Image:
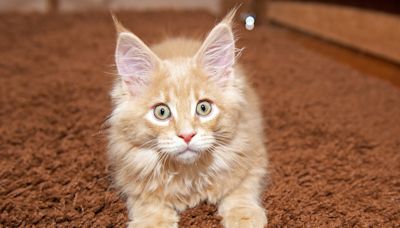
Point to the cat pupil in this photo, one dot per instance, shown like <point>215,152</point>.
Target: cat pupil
<point>162,111</point>
<point>203,108</point>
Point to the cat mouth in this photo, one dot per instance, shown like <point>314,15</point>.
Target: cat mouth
<point>187,150</point>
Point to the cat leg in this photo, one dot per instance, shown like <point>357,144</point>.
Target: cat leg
<point>151,213</point>
<point>241,208</point>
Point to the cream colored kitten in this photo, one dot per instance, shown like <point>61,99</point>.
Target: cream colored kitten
<point>186,128</point>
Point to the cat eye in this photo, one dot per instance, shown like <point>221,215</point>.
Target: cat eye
<point>203,108</point>
<point>162,112</point>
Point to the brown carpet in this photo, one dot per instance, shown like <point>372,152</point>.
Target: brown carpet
<point>334,134</point>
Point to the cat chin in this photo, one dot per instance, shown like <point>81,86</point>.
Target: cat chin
<point>187,156</point>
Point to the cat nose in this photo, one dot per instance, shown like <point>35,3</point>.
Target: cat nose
<point>187,136</point>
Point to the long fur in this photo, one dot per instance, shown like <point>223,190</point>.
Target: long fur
<point>230,165</point>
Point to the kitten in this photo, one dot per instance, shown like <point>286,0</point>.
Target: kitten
<point>186,128</point>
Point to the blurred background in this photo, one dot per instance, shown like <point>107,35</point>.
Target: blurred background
<point>362,33</point>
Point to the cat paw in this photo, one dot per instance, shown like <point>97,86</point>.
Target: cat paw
<point>245,217</point>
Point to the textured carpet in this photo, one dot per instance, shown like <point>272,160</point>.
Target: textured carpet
<point>333,133</point>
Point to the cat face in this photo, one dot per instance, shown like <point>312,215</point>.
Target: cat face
<point>180,107</point>
<point>183,112</point>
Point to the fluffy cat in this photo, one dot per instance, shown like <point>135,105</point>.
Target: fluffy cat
<point>186,127</point>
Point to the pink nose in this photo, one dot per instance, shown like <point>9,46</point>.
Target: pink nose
<point>187,137</point>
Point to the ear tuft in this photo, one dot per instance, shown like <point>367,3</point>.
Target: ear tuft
<point>229,18</point>
<point>118,26</point>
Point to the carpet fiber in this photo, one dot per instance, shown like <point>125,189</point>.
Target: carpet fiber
<point>333,133</point>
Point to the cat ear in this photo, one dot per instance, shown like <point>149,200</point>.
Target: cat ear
<point>217,54</point>
<point>135,62</point>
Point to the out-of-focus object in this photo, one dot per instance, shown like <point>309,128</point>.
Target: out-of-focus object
<point>252,12</point>
<point>24,6</point>
<point>52,5</point>
<point>212,6</point>
<point>79,5</point>
<point>259,7</point>
<point>374,32</point>
<point>249,22</point>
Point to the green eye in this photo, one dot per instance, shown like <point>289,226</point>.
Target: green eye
<point>162,112</point>
<point>203,108</point>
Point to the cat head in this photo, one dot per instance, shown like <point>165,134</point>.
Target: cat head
<point>183,106</point>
